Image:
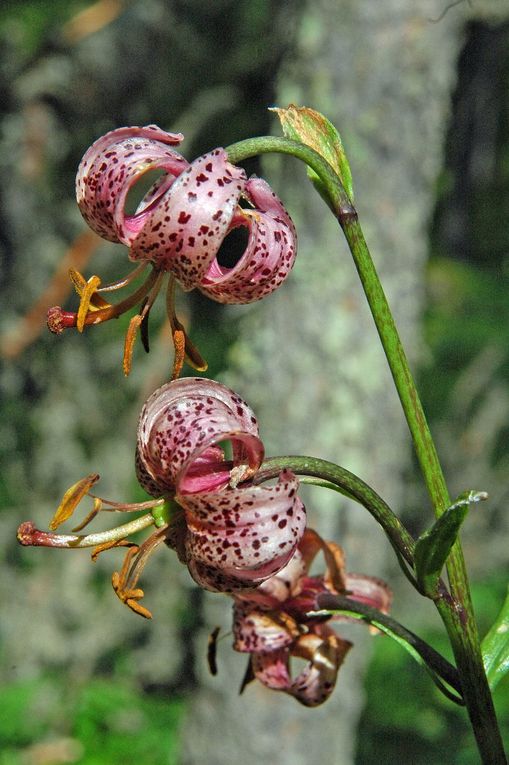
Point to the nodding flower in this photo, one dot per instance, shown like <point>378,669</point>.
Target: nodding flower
<point>231,534</point>
<point>278,621</point>
<point>178,228</point>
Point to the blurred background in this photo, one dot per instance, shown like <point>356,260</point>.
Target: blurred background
<point>422,102</point>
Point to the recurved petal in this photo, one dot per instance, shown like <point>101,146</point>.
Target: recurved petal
<point>248,534</point>
<point>287,581</point>
<point>325,653</point>
<point>112,165</point>
<point>179,429</point>
<point>214,579</point>
<point>269,255</point>
<point>152,486</point>
<point>255,630</point>
<point>272,669</point>
<point>275,592</point>
<point>369,590</point>
<point>186,229</point>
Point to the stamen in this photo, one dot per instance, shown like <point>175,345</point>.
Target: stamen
<point>249,676</point>
<point>127,507</point>
<point>124,582</point>
<point>145,551</point>
<point>136,321</point>
<point>125,281</point>
<point>71,499</point>
<point>240,473</point>
<point>192,355</point>
<point>144,333</point>
<point>137,607</point>
<point>86,297</point>
<point>110,546</point>
<point>90,517</point>
<point>129,596</point>
<point>79,490</point>
<point>179,343</point>
<point>80,285</point>
<point>58,320</point>
<point>130,337</point>
<point>212,650</point>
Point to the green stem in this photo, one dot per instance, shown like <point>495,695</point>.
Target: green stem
<point>458,618</point>
<point>339,201</point>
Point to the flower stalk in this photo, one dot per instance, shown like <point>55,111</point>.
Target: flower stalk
<point>350,485</point>
<point>458,616</point>
<point>439,668</point>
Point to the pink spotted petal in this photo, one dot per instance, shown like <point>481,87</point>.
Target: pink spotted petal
<point>276,590</point>
<point>286,582</point>
<point>272,669</point>
<point>112,165</point>
<point>154,487</point>
<point>255,630</point>
<point>212,578</point>
<point>209,471</point>
<point>248,533</point>
<point>186,229</point>
<point>269,255</point>
<point>179,425</point>
<point>304,600</point>
<point>325,652</point>
<point>370,591</point>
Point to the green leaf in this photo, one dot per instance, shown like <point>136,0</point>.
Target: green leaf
<point>434,545</point>
<point>308,126</point>
<point>495,647</point>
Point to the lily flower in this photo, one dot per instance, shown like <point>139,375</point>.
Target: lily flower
<point>278,621</point>
<point>232,535</point>
<point>178,228</point>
